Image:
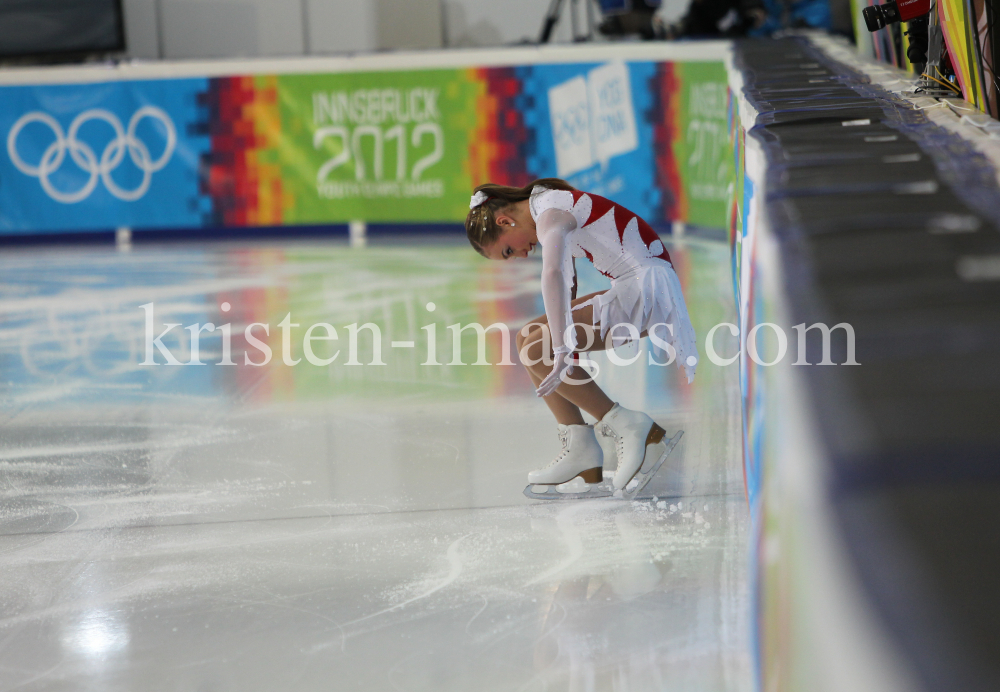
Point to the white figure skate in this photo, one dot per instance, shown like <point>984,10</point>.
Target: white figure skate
<point>612,432</point>
<point>581,456</point>
<point>576,472</point>
<point>640,448</point>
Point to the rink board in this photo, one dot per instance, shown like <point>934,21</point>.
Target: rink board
<point>872,486</point>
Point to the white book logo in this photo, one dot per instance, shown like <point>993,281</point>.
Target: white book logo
<point>593,118</point>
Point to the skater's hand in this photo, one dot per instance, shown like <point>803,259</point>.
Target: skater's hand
<point>562,367</point>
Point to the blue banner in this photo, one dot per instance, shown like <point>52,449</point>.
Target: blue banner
<point>87,156</point>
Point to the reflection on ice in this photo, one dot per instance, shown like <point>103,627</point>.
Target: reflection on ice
<point>282,527</point>
<point>96,634</point>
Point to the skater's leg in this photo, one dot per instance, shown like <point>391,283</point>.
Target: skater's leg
<point>581,453</point>
<point>583,393</point>
<point>635,435</point>
<point>565,412</point>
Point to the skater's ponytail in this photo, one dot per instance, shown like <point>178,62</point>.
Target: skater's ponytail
<point>481,223</point>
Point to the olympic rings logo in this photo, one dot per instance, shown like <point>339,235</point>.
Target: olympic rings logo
<point>85,158</point>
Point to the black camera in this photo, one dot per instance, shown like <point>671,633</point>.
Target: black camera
<point>877,16</point>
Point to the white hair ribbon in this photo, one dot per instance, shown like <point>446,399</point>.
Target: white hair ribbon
<point>478,199</point>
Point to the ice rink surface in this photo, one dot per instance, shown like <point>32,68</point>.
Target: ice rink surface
<point>233,527</point>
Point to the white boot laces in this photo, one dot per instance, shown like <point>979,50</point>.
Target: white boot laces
<point>564,441</point>
<point>608,431</point>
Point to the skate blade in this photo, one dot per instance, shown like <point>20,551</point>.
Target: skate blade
<point>575,489</point>
<point>639,481</point>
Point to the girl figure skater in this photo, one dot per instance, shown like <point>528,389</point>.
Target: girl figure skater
<point>645,298</point>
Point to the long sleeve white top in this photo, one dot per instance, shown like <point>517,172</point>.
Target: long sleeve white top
<point>554,227</point>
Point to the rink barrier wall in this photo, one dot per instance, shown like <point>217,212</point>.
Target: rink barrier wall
<point>396,139</point>
<point>873,488</point>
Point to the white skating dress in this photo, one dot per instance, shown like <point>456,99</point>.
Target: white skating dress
<point>645,290</point>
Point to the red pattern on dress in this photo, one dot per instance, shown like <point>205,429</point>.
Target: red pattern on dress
<point>601,206</point>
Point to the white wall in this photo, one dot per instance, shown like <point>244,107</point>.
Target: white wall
<point>141,29</point>
<point>403,24</point>
<point>179,29</point>
<point>230,28</point>
<point>336,26</point>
